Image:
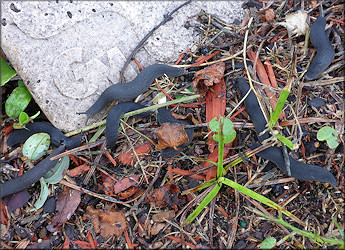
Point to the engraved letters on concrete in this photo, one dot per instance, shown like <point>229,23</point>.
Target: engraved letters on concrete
<point>68,52</point>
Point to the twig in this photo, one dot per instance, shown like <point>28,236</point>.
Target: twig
<point>167,18</point>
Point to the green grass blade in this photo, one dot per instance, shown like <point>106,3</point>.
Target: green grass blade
<point>285,140</point>
<point>203,204</point>
<point>280,104</point>
<point>259,197</point>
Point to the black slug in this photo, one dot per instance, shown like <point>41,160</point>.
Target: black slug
<point>114,116</point>
<point>253,109</point>
<point>299,170</point>
<point>325,51</point>
<point>31,176</point>
<point>130,90</point>
<point>164,116</point>
<point>56,136</point>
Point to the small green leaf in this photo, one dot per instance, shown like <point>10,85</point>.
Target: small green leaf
<point>36,146</point>
<point>23,118</point>
<point>56,173</point>
<point>268,243</point>
<point>7,73</point>
<point>329,135</point>
<point>43,196</point>
<point>17,101</point>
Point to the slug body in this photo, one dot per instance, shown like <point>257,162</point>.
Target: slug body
<point>56,136</point>
<point>253,108</point>
<point>114,116</point>
<point>130,90</point>
<point>31,176</point>
<point>325,51</point>
<point>164,116</point>
<point>299,170</point>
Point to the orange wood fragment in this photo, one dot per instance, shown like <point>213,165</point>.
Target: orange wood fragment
<point>74,159</point>
<point>186,172</point>
<point>110,158</point>
<point>91,240</point>
<point>179,241</point>
<point>128,157</point>
<point>66,243</point>
<point>128,240</point>
<point>78,170</point>
<point>264,79</point>
<point>202,59</point>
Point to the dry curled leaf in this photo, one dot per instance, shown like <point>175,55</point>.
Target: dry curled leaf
<point>268,16</point>
<point>210,75</point>
<point>107,224</point>
<point>171,135</point>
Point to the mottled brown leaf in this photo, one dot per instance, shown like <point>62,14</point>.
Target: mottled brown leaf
<point>210,75</point>
<point>171,135</point>
<point>108,224</point>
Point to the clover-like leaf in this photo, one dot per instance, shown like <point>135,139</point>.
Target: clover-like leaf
<point>329,135</point>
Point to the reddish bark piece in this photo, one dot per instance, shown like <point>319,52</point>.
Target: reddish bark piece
<point>264,79</point>
<point>79,170</point>
<point>128,193</point>
<point>180,241</point>
<point>129,158</point>
<point>171,135</point>
<point>186,172</point>
<point>68,201</point>
<point>7,130</point>
<point>158,196</point>
<point>66,243</point>
<point>108,224</point>
<point>215,107</point>
<point>125,183</point>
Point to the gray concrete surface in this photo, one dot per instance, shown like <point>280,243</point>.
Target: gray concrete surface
<point>68,52</point>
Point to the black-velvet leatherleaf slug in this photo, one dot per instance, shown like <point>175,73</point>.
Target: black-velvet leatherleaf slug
<point>299,170</point>
<point>56,136</point>
<point>325,51</point>
<point>165,116</point>
<point>31,176</point>
<point>114,116</point>
<point>130,90</point>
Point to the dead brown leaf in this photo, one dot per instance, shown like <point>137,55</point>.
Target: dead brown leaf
<point>209,76</point>
<point>171,135</point>
<point>107,224</point>
<point>66,205</point>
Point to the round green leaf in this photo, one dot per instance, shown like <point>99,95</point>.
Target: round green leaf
<point>43,196</point>
<point>56,173</point>
<point>36,146</point>
<point>17,101</point>
<point>228,127</point>
<point>329,135</point>
<point>6,72</point>
<point>268,243</point>
<point>214,125</point>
